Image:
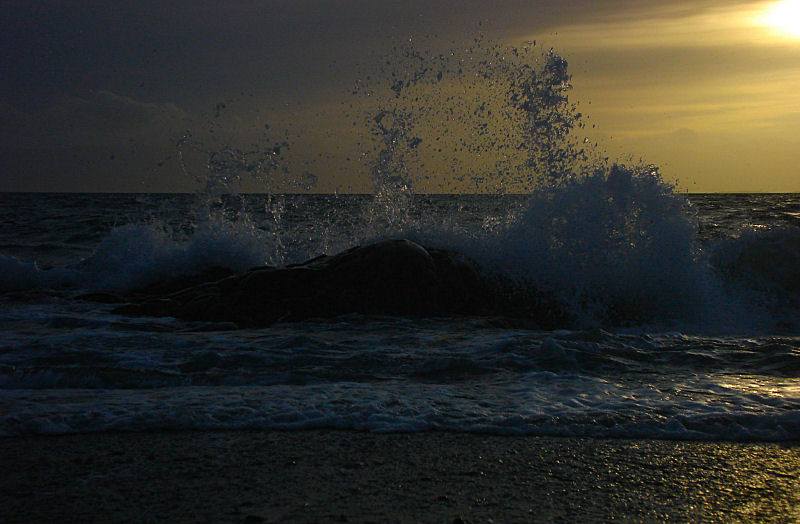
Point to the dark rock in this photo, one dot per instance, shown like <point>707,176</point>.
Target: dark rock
<point>211,274</point>
<point>102,297</point>
<point>523,302</point>
<point>392,277</point>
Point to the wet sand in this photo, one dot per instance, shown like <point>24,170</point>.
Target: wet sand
<point>342,476</point>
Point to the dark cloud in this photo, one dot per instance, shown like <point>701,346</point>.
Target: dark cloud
<point>101,118</point>
<point>111,115</point>
<point>199,49</point>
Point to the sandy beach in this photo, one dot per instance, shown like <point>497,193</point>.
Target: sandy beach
<point>342,476</point>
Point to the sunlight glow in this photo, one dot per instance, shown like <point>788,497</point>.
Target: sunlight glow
<point>783,17</point>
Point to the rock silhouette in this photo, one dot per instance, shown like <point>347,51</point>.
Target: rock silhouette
<point>391,277</point>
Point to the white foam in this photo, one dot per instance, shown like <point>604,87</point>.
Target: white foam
<point>559,405</point>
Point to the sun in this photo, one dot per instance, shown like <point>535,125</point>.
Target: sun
<point>783,17</point>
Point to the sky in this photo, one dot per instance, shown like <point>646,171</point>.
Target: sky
<point>137,96</point>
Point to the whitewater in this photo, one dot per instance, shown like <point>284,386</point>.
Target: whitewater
<point>679,313</point>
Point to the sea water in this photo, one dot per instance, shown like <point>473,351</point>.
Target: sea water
<point>725,367</point>
<point>683,310</point>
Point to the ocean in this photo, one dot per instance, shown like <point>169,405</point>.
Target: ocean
<point>682,315</point>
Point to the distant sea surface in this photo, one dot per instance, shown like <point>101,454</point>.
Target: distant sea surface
<point>703,342</point>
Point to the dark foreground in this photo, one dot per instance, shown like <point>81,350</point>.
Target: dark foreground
<point>339,476</point>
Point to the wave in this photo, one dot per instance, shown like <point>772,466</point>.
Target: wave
<point>137,255</point>
<point>765,259</point>
<point>603,410</point>
<point>617,244</point>
<point>615,248</point>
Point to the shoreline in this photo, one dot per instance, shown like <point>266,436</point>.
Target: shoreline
<point>347,476</point>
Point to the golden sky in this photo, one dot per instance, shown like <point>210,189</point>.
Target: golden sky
<point>712,94</point>
<point>95,98</point>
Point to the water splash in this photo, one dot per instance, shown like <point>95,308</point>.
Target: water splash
<point>220,172</point>
<point>488,118</point>
<point>617,244</point>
